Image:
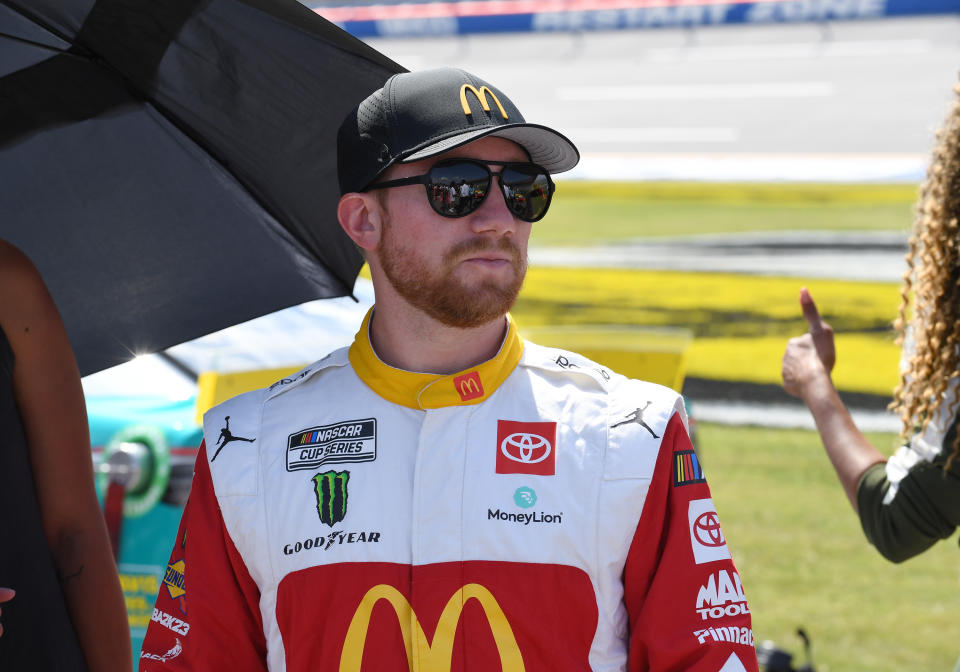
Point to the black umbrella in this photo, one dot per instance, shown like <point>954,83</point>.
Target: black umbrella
<point>169,165</point>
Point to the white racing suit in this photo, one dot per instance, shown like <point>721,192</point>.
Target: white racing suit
<point>536,513</point>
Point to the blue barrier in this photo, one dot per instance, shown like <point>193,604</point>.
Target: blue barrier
<point>426,19</point>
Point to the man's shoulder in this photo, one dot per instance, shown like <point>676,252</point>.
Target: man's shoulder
<point>251,402</point>
<point>566,363</point>
<point>232,429</point>
<point>635,411</point>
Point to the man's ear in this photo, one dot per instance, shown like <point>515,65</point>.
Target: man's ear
<point>361,218</point>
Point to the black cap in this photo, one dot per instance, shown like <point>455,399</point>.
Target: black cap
<point>417,115</point>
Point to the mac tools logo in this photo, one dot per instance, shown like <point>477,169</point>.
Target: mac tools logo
<point>706,537</point>
<point>526,448</point>
<point>722,596</point>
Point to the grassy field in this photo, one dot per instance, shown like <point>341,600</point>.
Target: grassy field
<point>805,563</point>
<point>618,211</point>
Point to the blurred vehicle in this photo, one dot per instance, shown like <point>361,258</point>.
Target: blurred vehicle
<point>150,443</point>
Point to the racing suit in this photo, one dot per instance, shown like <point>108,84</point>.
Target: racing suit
<point>536,512</point>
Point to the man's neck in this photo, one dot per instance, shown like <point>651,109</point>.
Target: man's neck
<point>406,338</point>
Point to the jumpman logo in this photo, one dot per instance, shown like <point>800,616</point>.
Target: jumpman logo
<point>226,437</point>
<point>637,417</point>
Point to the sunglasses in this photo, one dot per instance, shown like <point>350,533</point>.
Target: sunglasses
<point>457,187</point>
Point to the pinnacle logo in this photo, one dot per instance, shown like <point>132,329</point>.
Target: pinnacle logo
<point>481,95</point>
<point>331,490</point>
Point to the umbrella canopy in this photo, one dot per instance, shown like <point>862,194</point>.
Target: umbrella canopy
<point>170,167</point>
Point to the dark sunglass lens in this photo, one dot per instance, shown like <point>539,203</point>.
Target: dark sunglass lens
<point>457,188</point>
<point>527,191</point>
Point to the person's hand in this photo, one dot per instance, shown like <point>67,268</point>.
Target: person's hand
<point>6,594</point>
<point>809,356</point>
<point>820,331</point>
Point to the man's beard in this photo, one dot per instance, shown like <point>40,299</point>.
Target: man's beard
<point>439,293</point>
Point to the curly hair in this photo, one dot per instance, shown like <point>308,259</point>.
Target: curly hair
<point>933,277</point>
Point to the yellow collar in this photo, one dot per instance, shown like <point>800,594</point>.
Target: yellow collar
<point>431,390</point>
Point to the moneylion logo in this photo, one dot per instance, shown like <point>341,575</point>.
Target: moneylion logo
<point>481,95</point>
<point>422,654</point>
<point>331,490</point>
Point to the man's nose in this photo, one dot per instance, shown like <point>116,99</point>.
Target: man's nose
<point>493,215</point>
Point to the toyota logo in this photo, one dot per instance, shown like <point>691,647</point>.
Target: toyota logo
<point>707,529</point>
<point>526,448</point>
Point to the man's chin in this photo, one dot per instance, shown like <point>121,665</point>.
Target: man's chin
<point>467,307</point>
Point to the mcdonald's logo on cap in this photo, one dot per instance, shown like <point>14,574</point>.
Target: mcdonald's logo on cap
<point>469,386</point>
<point>424,655</point>
<point>482,97</point>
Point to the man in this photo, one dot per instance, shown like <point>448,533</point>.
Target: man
<point>443,495</point>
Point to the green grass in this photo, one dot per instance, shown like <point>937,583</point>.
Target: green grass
<point>590,213</point>
<point>804,560</point>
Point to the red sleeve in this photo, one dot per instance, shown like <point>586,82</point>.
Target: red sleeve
<point>683,594</point>
<point>207,614</point>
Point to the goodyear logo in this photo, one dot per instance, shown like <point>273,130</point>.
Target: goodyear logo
<point>349,441</point>
<point>331,490</point>
<point>174,579</point>
<point>481,95</point>
<point>423,654</point>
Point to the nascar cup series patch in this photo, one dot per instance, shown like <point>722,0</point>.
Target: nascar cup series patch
<point>526,448</point>
<point>349,441</point>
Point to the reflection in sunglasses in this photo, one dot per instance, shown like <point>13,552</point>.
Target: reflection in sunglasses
<point>457,187</point>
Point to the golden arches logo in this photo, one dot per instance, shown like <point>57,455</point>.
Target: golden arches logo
<point>469,386</point>
<point>422,654</point>
<point>482,97</point>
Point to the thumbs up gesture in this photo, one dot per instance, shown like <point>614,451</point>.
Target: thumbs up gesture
<point>809,356</point>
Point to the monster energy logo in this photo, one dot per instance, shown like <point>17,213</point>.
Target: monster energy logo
<point>331,489</point>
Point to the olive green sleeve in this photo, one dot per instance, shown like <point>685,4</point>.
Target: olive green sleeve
<point>924,508</point>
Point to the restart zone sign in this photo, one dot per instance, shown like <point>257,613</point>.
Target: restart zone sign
<point>452,18</point>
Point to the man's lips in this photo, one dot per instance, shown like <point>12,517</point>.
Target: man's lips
<point>485,253</point>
